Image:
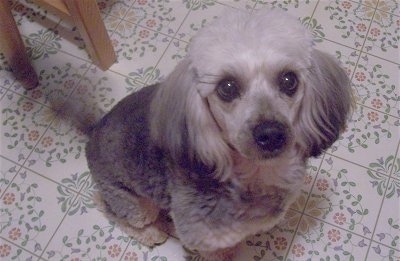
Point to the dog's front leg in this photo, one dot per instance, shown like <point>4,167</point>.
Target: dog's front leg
<point>226,254</point>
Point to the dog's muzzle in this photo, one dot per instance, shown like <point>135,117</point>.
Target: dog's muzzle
<point>270,137</point>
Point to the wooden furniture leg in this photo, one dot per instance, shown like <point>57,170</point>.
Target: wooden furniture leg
<point>85,15</point>
<point>87,18</point>
<point>13,48</point>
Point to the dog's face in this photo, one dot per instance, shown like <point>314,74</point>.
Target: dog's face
<point>252,84</point>
<point>255,103</point>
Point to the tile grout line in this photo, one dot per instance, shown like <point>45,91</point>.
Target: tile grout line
<point>357,164</point>
<point>52,181</point>
<point>14,177</point>
<point>394,160</point>
<point>23,165</point>
<point>377,220</point>
<point>358,50</point>
<point>378,111</point>
<point>169,44</point>
<point>352,77</point>
<point>58,226</point>
<point>364,42</point>
<point>64,101</point>
<point>19,246</point>
<point>77,195</point>
<point>381,207</point>
<point>348,231</point>
<point>151,30</point>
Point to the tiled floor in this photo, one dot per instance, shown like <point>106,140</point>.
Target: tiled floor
<point>350,205</point>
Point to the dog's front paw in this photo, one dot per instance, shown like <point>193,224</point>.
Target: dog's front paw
<point>219,255</point>
<point>149,235</point>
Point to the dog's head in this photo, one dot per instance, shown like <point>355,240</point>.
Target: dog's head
<point>253,85</point>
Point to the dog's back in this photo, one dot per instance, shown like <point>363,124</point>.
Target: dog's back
<point>119,143</point>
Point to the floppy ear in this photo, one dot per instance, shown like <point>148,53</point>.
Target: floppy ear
<point>326,104</point>
<point>182,124</point>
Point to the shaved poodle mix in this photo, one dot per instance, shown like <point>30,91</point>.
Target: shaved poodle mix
<point>217,151</point>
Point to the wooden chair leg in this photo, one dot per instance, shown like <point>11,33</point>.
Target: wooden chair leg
<point>87,18</point>
<point>12,46</point>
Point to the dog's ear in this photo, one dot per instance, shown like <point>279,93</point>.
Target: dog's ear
<point>326,104</point>
<point>182,124</point>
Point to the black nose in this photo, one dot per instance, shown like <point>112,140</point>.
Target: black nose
<point>270,136</point>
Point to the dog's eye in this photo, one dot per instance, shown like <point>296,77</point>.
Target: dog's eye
<point>227,90</point>
<point>288,83</point>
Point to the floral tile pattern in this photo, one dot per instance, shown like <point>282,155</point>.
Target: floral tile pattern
<point>349,208</point>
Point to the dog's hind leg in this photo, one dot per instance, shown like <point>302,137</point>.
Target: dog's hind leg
<point>136,216</point>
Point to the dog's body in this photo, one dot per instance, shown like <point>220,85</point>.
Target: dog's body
<point>221,144</point>
<point>208,214</point>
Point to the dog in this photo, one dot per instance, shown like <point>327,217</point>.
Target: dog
<point>218,150</point>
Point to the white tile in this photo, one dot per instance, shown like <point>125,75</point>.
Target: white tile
<point>343,195</point>
<point>344,22</point>
<point>161,16</point>
<point>87,235</point>
<point>22,126</point>
<point>137,47</point>
<point>369,135</point>
<point>30,211</point>
<point>322,241</point>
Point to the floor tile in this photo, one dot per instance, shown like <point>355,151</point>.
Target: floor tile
<point>300,9</point>
<point>383,36</point>
<point>347,57</point>
<point>376,84</point>
<point>323,241</point>
<point>8,171</point>
<point>273,245</point>
<point>202,13</point>
<point>242,5</point>
<point>13,252</point>
<point>344,195</point>
<point>175,53</point>
<point>6,78</point>
<point>2,92</point>
<point>370,135</point>
<point>161,16</point>
<point>32,19</point>
<point>58,73</point>
<point>115,8</point>
<point>106,88</point>
<point>170,250</point>
<point>379,252</point>
<point>30,212</point>
<point>65,36</point>
<point>23,125</point>
<point>87,236</point>
<point>345,22</point>
<point>387,231</point>
<point>141,52</point>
